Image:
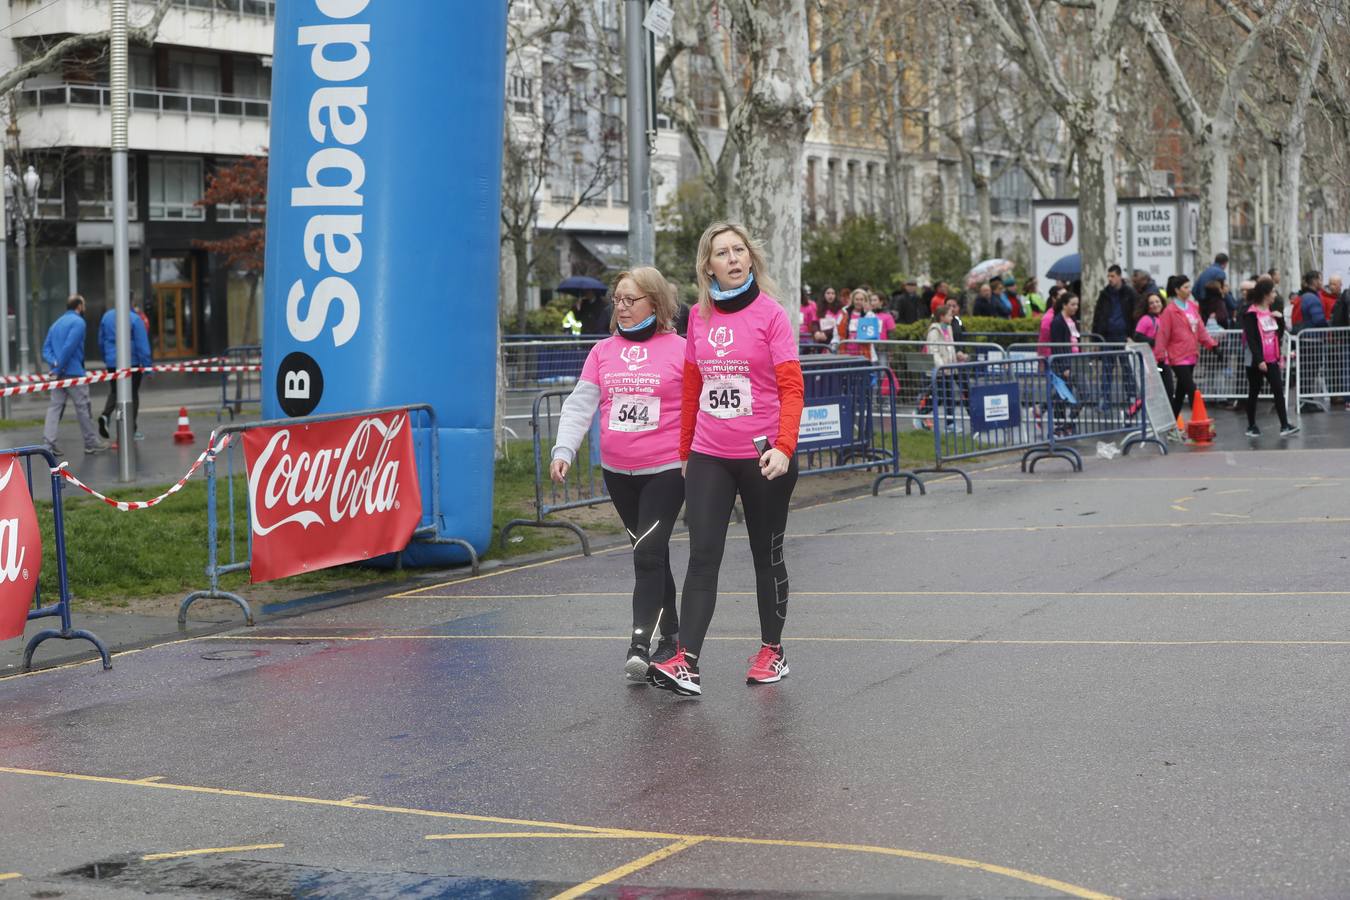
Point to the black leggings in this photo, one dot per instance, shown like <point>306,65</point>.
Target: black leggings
<point>649,505</point>
<point>711,486</point>
<point>1185,378</point>
<point>135,399</point>
<point>1272,376</point>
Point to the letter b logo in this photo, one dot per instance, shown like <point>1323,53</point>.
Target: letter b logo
<point>299,384</point>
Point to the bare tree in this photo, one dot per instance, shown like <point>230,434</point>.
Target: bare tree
<point>52,57</point>
<point>1086,33</point>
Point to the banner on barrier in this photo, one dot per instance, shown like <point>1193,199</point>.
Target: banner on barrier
<point>20,551</point>
<point>821,423</point>
<point>994,406</point>
<point>330,493</point>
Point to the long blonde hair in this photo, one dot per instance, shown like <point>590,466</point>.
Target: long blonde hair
<point>757,264</point>
<point>655,287</point>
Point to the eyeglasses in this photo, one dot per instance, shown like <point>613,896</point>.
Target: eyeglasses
<point>627,302</point>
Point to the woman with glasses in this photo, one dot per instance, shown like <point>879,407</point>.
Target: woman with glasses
<point>740,416</point>
<point>635,379</point>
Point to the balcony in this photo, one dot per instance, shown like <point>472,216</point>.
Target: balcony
<point>79,115</point>
<point>146,100</point>
<point>232,26</point>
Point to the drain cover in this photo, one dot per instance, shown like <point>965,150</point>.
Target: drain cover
<point>234,654</point>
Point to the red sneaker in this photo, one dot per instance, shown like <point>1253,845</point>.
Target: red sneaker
<point>767,666</point>
<point>676,674</point>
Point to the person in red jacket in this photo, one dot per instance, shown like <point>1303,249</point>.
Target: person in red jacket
<point>1180,334</point>
<point>739,419</point>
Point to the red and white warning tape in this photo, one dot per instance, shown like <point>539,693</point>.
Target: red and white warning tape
<point>130,505</point>
<point>32,384</point>
<point>45,385</point>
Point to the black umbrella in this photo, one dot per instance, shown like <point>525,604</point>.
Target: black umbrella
<point>580,283</point>
<point>1068,268</point>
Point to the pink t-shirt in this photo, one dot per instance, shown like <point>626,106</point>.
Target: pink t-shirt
<point>809,319</point>
<point>736,354</point>
<point>1270,334</point>
<point>1148,327</point>
<point>1046,319</point>
<point>640,384</point>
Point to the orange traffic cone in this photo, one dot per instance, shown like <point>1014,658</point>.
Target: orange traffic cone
<point>1201,429</point>
<point>184,433</point>
<point>1181,426</point>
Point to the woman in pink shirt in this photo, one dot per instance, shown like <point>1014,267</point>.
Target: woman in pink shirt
<point>740,417</point>
<point>635,380</point>
<point>1181,331</point>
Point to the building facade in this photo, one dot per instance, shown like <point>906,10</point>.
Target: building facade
<point>200,100</point>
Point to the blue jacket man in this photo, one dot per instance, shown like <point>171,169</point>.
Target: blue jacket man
<point>107,340</point>
<point>1217,271</point>
<point>63,350</point>
<point>140,356</point>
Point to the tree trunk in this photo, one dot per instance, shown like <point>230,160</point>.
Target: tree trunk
<point>984,201</point>
<point>1214,158</point>
<point>1288,195</point>
<point>770,128</point>
<point>521,251</point>
<point>251,310</point>
<point>1096,214</point>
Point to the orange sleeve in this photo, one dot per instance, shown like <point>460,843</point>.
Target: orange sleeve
<point>691,387</point>
<point>790,394</point>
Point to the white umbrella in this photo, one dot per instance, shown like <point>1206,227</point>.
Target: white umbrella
<point>990,268</point>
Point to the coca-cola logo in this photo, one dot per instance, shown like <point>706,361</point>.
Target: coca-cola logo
<point>328,485</point>
<point>20,550</point>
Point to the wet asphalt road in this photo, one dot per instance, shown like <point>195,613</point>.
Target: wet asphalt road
<point>1127,682</point>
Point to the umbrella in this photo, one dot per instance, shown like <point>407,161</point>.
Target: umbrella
<point>990,268</point>
<point>578,283</point>
<point>1069,268</point>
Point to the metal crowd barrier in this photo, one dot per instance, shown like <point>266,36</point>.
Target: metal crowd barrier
<point>247,386</point>
<point>1321,370</point>
<point>61,608</point>
<point>239,550</point>
<point>1225,377</point>
<point>1036,406</point>
<point>911,363</point>
<point>584,486</point>
<point>1007,338</point>
<point>849,422</point>
<point>1046,348</point>
<point>544,363</point>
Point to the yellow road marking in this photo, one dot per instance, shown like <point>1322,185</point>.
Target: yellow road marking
<point>797,593</point>
<point>627,869</point>
<point>1230,515</point>
<point>1180,508</point>
<point>525,834</point>
<point>354,798</point>
<point>150,779</point>
<point>6,876</point>
<point>179,854</point>
<point>366,638</point>
<point>1030,878</point>
<point>1182,499</point>
<point>1233,491</point>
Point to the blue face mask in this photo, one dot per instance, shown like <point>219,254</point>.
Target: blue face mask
<point>639,326</point>
<point>1179,301</point>
<point>715,290</point>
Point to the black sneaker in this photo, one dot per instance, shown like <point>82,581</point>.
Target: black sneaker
<point>103,426</point>
<point>636,663</point>
<point>1288,430</point>
<point>1253,431</point>
<point>666,648</point>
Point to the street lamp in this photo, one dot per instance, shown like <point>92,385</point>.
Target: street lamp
<point>20,203</point>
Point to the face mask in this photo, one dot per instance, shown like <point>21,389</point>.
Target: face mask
<point>715,290</point>
<point>1179,302</point>
<point>639,326</point>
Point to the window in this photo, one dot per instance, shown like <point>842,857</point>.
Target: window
<point>703,85</point>
<point>194,73</point>
<point>560,181</point>
<point>251,78</point>
<point>175,188</point>
<point>1010,195</point>
<point>520,91</point>
<point>51,195</point>
<point>142,68</point>
<point>576,107</point>
<point>96,192</point>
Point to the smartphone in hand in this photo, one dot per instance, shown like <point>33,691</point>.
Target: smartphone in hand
<point>762,444</point>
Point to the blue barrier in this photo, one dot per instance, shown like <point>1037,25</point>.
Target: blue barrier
<point>1037,407</point>
<point>61,607</point>
<point>849,422</point>
<point>426,449</point>
<point>247,385</point>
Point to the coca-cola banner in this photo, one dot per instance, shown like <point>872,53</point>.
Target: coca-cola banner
<point>20,549</point>
<point>330,493</point>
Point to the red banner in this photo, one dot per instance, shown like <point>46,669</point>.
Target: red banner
<point>330,493</point>
<point>20,550</point>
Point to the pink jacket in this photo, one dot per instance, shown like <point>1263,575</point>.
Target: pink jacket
<point>1180,334</point>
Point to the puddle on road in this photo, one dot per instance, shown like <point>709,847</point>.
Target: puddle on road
<point>256,880</point>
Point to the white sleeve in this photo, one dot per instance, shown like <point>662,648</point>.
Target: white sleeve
<point>577,411</point>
